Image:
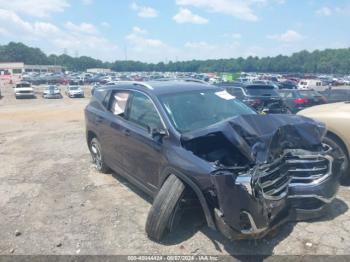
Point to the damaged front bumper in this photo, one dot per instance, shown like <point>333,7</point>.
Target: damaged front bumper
<point>299,185</point>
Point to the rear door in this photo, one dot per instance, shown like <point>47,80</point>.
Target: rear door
<point>113,124</point>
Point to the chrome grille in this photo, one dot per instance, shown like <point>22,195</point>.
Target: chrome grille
<point>295,167</point>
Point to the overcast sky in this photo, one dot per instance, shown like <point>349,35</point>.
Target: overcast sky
<point>164,30</point>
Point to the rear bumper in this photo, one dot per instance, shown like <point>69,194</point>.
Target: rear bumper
<point>31,94</point>
<point>76,95</point>
<point>55,96</point>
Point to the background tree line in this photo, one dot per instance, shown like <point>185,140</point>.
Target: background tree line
<point>336,61</point>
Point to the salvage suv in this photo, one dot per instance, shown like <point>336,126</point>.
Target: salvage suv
<point>186,143</point>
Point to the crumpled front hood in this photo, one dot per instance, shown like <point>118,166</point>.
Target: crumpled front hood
<point>261,138</point>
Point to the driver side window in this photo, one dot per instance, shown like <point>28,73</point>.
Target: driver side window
<point>143,112</point>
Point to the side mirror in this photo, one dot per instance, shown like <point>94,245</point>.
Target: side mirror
<point>157,133</point>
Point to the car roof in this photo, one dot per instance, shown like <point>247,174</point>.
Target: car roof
<point>163,87</point>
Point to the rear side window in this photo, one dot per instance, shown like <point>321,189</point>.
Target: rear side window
<point>118,103</point>
<point>143,112</point>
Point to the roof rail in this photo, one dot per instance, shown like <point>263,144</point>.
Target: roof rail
<point>194,80</point>
<point>143,84</point>
<point>182,79</point>
<point>137,83</point>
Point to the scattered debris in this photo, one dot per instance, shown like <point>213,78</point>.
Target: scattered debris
<point>59,244</point>
<point>195,251</point>
<point>308,244</point>
<point>12,250</point>
<point>17,233</point>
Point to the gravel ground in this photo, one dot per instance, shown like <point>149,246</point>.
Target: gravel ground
<point>52,201</point>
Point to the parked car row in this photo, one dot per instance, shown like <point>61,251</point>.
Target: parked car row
<point>193,145</point>
<point>297,100</point>
<point>263,98</point>
<point>266,98</point>
<point>25,90</point>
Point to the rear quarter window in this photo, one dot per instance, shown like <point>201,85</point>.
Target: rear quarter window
<point>98,100</point>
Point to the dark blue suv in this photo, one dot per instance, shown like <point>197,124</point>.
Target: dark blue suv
<point>190,144</point>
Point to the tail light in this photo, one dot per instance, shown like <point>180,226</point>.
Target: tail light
<point>300,101</point>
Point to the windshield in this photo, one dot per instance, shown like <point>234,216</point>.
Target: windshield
<point>261,91</point>
<point>189,111</point>
<point>74,87</point>
<point>22,85</point>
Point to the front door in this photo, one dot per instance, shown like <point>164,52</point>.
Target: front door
<point>143,154</point>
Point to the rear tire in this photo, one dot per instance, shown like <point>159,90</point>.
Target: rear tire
<point>339,151</point>
<point>97,157</point>
<point>164,208</point>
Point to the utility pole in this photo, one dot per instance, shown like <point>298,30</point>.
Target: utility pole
<point>125,53</point>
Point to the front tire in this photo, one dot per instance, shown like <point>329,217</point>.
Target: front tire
<point>164,208</point>
<point>97,157</point>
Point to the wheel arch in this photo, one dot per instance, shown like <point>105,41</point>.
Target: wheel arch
<point>337,138</point>
<point>89,136</point>
<point>188,182</point>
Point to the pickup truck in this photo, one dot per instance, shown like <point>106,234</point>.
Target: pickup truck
<point>23,89</point>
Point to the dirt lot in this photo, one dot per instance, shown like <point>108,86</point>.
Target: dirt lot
<point>52,201</point>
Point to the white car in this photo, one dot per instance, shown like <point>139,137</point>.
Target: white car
<point>52,92</point>
<point>74,91</point>
<point>23,89</point>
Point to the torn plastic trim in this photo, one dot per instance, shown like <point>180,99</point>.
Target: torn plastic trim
<point>253,228</point>
<point>325,200</point>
